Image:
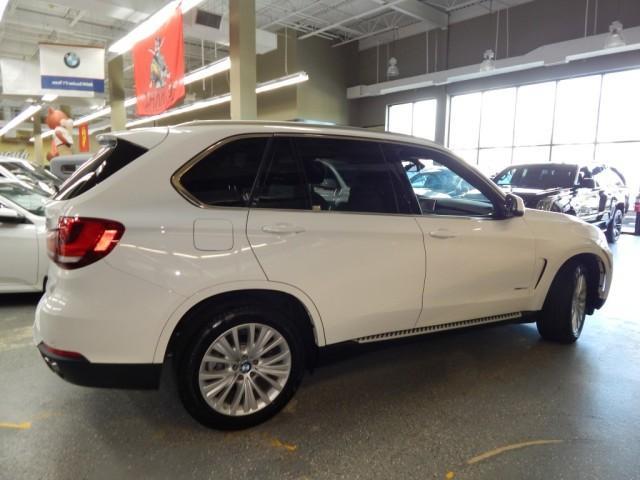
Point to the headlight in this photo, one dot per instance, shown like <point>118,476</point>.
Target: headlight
<point>548,203</point>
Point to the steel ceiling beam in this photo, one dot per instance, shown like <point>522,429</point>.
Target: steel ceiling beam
<point>353,18</point>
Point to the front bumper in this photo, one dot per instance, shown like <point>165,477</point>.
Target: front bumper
<point>80,371</point>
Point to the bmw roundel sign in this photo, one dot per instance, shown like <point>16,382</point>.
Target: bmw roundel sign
<point>72,60</point>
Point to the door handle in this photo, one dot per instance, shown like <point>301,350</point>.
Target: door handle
<point>282,229</point>
<point>442,233</point>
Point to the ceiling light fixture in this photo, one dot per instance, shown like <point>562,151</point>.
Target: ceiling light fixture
<point>180,110</point>
<point>615,38</point>
<point>282,82</point>
<point>210,70</point>
<point>392,68</point>
<point>488,64</point>
<point>49,97</point>
<point>18,119</point>
<point>151,25</point>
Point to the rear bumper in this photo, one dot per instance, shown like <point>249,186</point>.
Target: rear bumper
<point>80,371</point>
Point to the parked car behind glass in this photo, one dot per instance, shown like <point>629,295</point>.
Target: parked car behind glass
<point>35,175</point>
<point>597,195</point>
<point>23,253</point>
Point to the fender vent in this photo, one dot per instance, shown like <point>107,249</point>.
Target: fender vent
<point>437,328</point>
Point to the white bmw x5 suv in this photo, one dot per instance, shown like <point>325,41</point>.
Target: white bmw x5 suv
<point>241,248</point>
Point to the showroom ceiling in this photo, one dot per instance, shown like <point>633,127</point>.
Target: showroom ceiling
<point>100,22</point>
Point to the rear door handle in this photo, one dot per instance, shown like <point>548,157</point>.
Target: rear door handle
<point>442,233</point>
<point>282,229</point>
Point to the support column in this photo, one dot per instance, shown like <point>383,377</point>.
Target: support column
<point>38,154</point>
<point>115,74</point>
<point>242,39</point>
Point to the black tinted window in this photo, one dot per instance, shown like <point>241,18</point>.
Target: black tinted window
<point>538,176</point>
<point>283,185</point>
<point>346,175</point>
<point>106,162</point>
<point>225,177</point>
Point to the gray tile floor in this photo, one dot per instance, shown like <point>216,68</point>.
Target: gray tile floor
<point>430,407</point>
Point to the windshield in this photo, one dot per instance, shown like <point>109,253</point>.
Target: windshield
<point>27,198</point>
<point>538,176</point>
<point>31,172</point>
<point>436,179</point>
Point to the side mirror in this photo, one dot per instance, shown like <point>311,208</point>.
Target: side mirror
<point>513,206</point>
<point>588,183</point>
<point>8,215</point>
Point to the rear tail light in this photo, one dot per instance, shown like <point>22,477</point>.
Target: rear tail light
<point>76,241</point>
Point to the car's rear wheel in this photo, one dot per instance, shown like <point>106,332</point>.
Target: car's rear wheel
<point>614,230</point>
<point>241,368</point>
<point>564,311</point>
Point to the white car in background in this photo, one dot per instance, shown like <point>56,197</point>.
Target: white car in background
<point>34,175</point>
<point>23,249</point>
<point>210,242</point>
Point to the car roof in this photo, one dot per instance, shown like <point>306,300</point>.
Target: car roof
<point>251,126</point>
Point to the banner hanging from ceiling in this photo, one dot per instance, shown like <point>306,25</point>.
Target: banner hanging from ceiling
<point>158,66</point>
<point>83,138</point>
<point>71,70</point>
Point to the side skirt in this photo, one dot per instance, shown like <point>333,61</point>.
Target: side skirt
<point>438,328</point>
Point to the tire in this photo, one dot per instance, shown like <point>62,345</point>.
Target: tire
<point>614,230</point>
<point>564,311</point>
<point>240,388</point>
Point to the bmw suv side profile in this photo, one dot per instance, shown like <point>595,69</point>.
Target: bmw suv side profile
<point>241,248</point>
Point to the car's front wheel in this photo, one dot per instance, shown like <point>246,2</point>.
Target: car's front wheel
<point>565,307</point>
<point>614,230</point>
<point>241,368</point>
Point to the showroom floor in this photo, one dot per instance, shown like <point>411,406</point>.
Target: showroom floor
<point>485,403</point>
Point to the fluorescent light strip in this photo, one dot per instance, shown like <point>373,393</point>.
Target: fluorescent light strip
<point>49,97</point>
<point>262,87</point>
<point>282,82</point>
<point>18,119</point>
<point>151,25</point>
<point>226,98</point>
<point>210,70</point>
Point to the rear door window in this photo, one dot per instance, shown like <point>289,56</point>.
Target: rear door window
<point>283,186</point>
<point>346,175</point>
<point>107,161</point>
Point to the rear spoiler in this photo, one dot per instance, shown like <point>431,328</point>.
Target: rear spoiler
<point>147,138</point>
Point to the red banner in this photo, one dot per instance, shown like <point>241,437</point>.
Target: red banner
<point>158,63</point>
<point>83,137</point>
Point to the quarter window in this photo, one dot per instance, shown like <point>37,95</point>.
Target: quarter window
<point>226,176</point>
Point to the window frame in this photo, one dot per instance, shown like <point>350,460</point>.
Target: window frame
<point>292,136</point>
<point>176,178</point>
<point>399,180</point>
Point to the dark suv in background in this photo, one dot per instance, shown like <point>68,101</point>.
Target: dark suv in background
<point>596,194</point>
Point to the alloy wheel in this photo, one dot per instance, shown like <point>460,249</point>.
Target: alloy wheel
<point>578,301</point>
<point>617,224</point>
<point>244,369</point>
